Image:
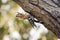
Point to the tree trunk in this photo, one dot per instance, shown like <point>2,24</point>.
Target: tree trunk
<point>47,11</point>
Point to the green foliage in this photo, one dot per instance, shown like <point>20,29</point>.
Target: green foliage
<point>51,36</point>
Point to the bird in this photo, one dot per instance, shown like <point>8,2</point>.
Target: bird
<point>30,18</point>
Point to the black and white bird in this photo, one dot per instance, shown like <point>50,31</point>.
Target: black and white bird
<point>31,19</point>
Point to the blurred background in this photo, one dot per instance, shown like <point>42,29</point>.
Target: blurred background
<point>13,28</point>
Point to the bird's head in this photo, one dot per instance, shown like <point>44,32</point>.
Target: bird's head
<point>23,16</point>
<point>20,15</point>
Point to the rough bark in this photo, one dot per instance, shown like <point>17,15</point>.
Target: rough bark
<point>47,11</point>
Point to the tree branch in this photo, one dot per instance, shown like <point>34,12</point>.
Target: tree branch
<point>43,10</point>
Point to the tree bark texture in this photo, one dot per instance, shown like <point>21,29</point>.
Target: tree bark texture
<point>47,11</point>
